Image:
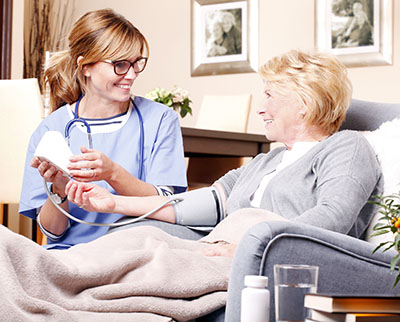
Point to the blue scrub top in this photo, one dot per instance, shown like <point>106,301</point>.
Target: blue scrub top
<point>163,161</point>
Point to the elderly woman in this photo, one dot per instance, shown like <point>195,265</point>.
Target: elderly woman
<point>332,174</point>
<point>225,38</point>
<point>358,31</point>
<point>232,34</point>
<point>216,42</point>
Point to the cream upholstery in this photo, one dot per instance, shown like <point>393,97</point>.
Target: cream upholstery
<point>224,112</point>
<point>21,109</point>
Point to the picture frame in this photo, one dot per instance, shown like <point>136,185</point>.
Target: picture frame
<point>358,34</point>
<point>224,37</point>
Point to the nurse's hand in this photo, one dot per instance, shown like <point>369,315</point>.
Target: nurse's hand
<point>90,196</point>
<point>50,174</point>
<point>220,249</point>
<point>91,165</point>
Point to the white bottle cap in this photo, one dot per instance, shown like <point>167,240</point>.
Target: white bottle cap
<point>256,281</point>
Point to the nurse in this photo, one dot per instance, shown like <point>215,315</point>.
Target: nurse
<point>137,143</point>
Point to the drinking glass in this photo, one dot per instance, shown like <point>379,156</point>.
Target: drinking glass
<point>292,282</point>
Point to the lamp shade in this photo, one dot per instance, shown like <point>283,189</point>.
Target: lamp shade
<point>22,110</point>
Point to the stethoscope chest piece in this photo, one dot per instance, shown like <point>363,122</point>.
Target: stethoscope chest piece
<point>78,119</point>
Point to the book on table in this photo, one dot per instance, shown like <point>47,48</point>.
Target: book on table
<point>333,303</point>
<point>320,316</point>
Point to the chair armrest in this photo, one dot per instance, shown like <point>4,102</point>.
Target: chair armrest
<point>347,264</point>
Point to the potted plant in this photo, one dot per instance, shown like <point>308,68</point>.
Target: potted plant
<point>177,99</point>
<point>389,207</point>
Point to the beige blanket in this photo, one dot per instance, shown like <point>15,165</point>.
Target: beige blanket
<point>137,274</point>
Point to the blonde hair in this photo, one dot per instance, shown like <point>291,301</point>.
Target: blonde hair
<point>320,82</point>
<point>97,35</point>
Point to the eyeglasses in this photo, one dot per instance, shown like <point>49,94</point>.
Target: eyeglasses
<point>121,67</point>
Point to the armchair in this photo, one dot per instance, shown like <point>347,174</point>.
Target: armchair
<point>347,264</point>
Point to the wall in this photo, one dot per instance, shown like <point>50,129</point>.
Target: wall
<point>17,40</point>
<point>17,223</point>
<point>284,25</point>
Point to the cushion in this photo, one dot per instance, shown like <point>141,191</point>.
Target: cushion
<point>368,116</point>
<point>385,142</point>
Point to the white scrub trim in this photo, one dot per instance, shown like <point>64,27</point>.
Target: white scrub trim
<point>106,125</point>
<point>49,234</point>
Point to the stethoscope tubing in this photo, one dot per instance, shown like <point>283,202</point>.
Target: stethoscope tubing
<point>115,224</point>
<point>140,171</point>
<point>89,133</point>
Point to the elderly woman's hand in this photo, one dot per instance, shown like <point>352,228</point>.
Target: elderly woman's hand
<point>220,248</point>
<point>91,165</point>
<point>90,196</point>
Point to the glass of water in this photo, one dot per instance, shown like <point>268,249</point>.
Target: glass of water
<point>292,282</point>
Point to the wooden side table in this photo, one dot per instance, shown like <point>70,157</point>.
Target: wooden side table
<point>213,153</point>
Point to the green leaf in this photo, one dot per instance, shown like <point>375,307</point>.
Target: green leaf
<point>381,226</point>
<point>397,280</point>
<point>387,248</point>
<point>379,246</point>
<point>183,112</point>
<point>394,262</point>
<point>397,241</point>
<point>381,232</point>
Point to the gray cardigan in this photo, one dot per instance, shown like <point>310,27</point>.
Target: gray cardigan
<point>328,187</point>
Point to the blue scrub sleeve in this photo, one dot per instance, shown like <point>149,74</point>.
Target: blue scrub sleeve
<point>167,164</point>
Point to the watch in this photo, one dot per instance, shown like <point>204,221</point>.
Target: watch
<point>56,197</point>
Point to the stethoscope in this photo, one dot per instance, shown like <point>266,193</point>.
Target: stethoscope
<point>140,171</point>
<point>78,119</point>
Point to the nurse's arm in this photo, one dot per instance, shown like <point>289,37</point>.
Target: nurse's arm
<point>126,184</point>
<point>93,165</point>
<point>91,197</point>
<point>51,218</point>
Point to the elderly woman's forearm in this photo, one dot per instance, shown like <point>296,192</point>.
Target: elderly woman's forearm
<point>137,206</point>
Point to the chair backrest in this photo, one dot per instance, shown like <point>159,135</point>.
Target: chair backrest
<point>373,120</point>
<point>368,116</point>
<point>22,110</point>
<point>224,113</point>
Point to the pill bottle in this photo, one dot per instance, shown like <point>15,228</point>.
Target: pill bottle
<point>255,299</point>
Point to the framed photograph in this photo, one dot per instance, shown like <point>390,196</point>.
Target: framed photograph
<point>224,37</point>
<point>359,32</point>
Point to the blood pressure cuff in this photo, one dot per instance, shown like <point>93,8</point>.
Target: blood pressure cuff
<point>200,207</point>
